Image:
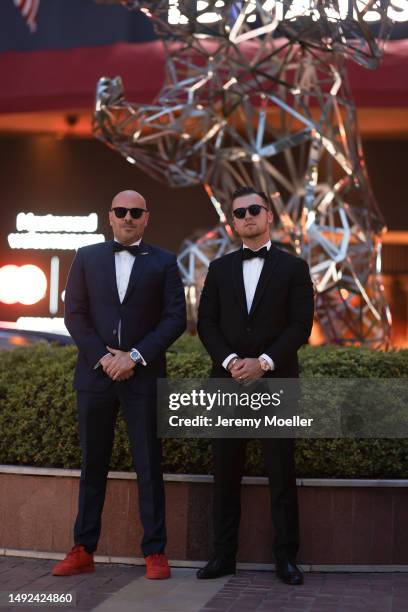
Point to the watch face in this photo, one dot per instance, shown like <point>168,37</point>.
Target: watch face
<point>134,355</point>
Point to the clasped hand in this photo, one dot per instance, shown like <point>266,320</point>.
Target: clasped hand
<point>117,364</point>
<point>246,370</point>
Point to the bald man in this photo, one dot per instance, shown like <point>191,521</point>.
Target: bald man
<point>124,306</point>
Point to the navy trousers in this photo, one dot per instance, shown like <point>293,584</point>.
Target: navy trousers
<point>97,414</point>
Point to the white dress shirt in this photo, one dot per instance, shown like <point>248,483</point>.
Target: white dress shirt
<point>251,269</point>
<point>123,265</point>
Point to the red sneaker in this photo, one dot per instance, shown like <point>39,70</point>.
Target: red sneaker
<point>157,567</point>
<point>77,561</point>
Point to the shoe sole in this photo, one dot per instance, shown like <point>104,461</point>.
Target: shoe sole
<point>289,583</point>
<point>158,577</point>
<point>215,577</point>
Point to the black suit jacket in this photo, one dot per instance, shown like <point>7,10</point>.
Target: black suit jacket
<point>279,322</point>
<point>152,314</point>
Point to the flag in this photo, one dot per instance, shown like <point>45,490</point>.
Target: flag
<point>29,10</point>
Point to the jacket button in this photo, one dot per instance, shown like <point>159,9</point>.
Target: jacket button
<point>115,332</point>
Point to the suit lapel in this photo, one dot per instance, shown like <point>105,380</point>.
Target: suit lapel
<point>111,270</point>
<point>238,280</point>
<point>139,266</point>
<point>265,276</point>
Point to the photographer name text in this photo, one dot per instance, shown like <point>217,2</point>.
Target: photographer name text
<point>266,421</point>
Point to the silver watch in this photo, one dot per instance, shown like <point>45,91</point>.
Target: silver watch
<point>135,356</point>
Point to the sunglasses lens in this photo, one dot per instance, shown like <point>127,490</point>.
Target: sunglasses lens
<point>254,210</point>
<point>120,212</point>
<point>136,213</point>
<point>239,213</point>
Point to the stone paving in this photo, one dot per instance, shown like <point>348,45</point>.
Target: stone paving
<point>34,575</point>
<point>321,592</point>
<point>123,587</point>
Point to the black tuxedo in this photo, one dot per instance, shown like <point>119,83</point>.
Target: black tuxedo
<point>150,318</point>
<point>278,323</point>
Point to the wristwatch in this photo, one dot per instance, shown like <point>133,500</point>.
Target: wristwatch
<point>264,364</point>
<point>135,356</point>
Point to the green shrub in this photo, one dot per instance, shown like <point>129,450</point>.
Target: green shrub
<point>38,417</point>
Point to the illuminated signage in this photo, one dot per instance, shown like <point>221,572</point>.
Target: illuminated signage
<point>55,325</point>
<point>29,284</point>
<point>285,11</point>
<point>30,222</point>
<point>22,284</point>
<point>54,232</point>
<point>57,241</point>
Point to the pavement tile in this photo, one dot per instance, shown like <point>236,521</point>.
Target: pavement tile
<point>247,591</point>
<point>290,608</point>
<point>327,599</point>
<point>295,607</point>
<point>302,601</point>
<point>89,602</point>
<point>249,601</point>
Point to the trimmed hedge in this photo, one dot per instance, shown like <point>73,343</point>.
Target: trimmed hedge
<point>38,416</point>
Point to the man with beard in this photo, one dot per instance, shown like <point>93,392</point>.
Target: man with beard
<point>124,306</point>
<point>256,311</point>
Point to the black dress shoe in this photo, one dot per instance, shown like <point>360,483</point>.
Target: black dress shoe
<point>288,572</point>
<point>217,567</point>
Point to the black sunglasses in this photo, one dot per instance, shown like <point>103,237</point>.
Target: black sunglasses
<point>135,213</point>
<point>254,210</point>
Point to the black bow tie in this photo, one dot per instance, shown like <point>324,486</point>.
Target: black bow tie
<point>248,254</point>
<point>134,249</point>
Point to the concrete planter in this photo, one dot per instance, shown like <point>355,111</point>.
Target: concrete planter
<point>343,522</point>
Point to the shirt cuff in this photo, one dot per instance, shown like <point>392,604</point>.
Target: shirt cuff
<point>269,360</point>
<point>228,359</point>
<point>96,366</point>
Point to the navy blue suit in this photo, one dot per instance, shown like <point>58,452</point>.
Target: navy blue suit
<point>150,318</point>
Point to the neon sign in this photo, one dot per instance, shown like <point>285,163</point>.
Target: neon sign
<point>54,232</point>
<point>22,284</point>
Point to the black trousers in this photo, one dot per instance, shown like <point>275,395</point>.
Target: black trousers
<point>229,463</point>
<point>97,414</point>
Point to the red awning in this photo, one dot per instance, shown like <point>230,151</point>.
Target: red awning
<point>60,80</point>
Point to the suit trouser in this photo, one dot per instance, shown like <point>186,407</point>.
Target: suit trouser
<point>229,462</point>
<point>97,414</point>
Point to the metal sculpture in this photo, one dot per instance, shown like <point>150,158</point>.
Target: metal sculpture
<point>256,92</point>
